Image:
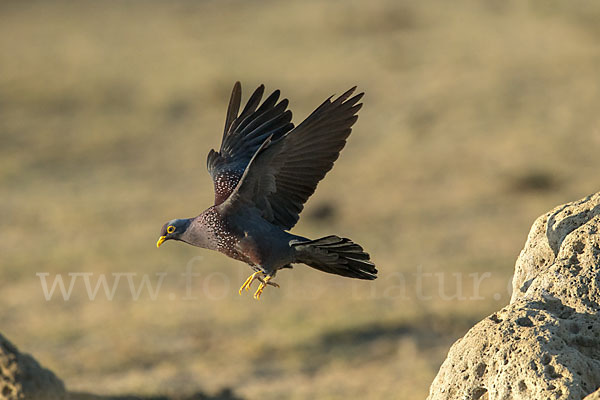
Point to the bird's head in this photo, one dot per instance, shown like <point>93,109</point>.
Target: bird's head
<point>173,229</point>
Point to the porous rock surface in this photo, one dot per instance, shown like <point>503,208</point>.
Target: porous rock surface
<point>21,377</point>
<point>546,343</point>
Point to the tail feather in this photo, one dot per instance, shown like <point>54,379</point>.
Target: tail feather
<point>336,255</point>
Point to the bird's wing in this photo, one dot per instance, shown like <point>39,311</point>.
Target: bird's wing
<point>244,133</point>
<point>284,172</point>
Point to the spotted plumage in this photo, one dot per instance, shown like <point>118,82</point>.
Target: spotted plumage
<point>263,173</point>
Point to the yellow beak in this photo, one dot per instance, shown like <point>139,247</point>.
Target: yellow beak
<point>160,241</point>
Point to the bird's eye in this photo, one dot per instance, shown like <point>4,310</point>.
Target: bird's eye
<point>170,229</point>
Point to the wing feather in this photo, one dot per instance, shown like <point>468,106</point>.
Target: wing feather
<point>284,171</point>
<point>244,133</point>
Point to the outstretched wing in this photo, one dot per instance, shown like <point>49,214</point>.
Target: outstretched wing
<point>284,172</point>
<point>243,135</point>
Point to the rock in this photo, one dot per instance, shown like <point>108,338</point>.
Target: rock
<point>546,343</point>
<point>593,396</point>
<point>21,377</point>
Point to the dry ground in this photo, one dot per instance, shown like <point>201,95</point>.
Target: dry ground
<point>479,116</point>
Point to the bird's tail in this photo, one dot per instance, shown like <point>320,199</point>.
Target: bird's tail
<point>335,255</point>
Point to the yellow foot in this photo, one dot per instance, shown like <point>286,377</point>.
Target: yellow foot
<point>263,284</point>
<point>249,281</point>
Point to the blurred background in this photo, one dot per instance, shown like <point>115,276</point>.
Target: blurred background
<point>478,117</point>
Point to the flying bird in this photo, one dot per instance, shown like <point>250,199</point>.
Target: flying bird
<point>264,172</point>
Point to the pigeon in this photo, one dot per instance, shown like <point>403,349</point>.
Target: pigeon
<point>263,173</point>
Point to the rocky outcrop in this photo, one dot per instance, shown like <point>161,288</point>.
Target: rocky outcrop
<point>546,343</point>
<point>593,396</point>
<point>21,377</point>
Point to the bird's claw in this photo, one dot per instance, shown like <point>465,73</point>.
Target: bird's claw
<point>264,281</point>
<point>262,287</point>
<point>251,278</point>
